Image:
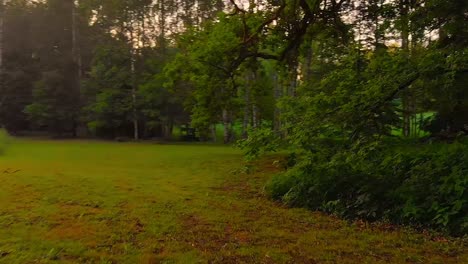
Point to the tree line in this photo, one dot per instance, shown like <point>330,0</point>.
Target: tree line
<point>137,68</point>
<point>82,68</point>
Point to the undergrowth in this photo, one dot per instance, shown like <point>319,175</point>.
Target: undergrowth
<point>421,186</point>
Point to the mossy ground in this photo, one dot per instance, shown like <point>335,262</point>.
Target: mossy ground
<point>97,202</point>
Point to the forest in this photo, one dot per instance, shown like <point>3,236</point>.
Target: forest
<point>351,109</point>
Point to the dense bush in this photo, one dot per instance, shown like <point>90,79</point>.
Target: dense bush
<point>426,187</point>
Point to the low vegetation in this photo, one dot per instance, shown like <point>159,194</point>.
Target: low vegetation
<point>94,202</point>
<point>421,186</point>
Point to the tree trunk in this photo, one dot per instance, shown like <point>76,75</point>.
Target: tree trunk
<point>168,124</point>
<point>255,110</point>
<point>76,54</point>
<point>293,81</point>
<point>277,92</point>
<point>415,117</point>
<point>134,85</point>
<point>255,116</point>
<point>2,89</point>
<point>162,25</point>
<point>213,133</point>
<point>404,7</point>
<point>134,99</point>
<point>246,121</point>
<point>227,126</point>
<point>308,64</point>
<point>2,14</point>
<point>251,6</point>
<point>76,50</point>
<point>376,13</point>
<point>167,133</point>
<point>406,114</point>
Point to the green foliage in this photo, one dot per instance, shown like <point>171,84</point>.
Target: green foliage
<point>436,190</point>
<point>260,141</point>
<point>424,187</point>
<point>54,106</point>
<point>281,184</point>
<point>204,64</point>
<point>446,94</point>
<point>109,89</point>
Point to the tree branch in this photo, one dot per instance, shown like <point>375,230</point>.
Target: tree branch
<point>268,21</point>
<point>403,86</point>
<point>223,69</point>
<point>237,9</point>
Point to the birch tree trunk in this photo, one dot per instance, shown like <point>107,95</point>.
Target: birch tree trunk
<point>134,84</point>
<point>76,50</point>
<point>76,57</point>
<point>134,99</point>
<point>227,126</point>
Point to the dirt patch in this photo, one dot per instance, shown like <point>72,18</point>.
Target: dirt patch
<point>24,197</point>
<point>200,234</point>
<point>70,222</point>
<point>80,210</point>
<point>70,230</point>
<point>211,238</point>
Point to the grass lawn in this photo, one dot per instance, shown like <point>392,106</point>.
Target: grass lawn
<point>95,202</point>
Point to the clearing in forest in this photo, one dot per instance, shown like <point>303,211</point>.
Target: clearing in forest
<point>95,202</point>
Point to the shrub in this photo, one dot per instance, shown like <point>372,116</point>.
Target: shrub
<point>425,187</point>
<point>260,141</point>
<point>281,184</point>
<point>436,190</point>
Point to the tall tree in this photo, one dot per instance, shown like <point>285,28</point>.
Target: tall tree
<point>2,17</point>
